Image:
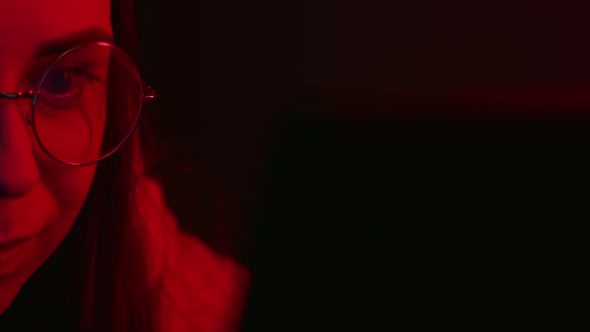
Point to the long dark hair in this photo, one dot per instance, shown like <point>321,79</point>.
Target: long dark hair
<point>114,293</point>
<point>117,289</point>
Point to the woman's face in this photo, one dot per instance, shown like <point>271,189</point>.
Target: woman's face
<point>39,197</point>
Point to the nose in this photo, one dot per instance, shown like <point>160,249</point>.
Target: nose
<point>18,168</point>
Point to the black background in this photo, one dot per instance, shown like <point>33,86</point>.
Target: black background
<point>400,166</point>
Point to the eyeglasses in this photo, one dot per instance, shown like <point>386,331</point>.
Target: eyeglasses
<point>83,105</point>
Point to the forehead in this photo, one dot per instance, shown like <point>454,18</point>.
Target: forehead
<point>25,25</point>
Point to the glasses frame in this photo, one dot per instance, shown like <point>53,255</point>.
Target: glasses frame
<point>147,95</point>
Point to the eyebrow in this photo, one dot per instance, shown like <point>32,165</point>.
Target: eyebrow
<point>62,44</point>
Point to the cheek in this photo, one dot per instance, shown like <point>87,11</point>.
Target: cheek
<point>53,203</point>
<point>67,185</point>
<point>73,134</point>
<point>64,190</point>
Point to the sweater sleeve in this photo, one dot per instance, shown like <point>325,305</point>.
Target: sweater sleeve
<point>204,291</point>
<point>201,290</point>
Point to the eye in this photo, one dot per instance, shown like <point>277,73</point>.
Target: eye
<point>58,82</point>
<point>69,87</point>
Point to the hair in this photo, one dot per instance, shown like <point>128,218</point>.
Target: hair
<point>117,293</point>
<point>113,293</point>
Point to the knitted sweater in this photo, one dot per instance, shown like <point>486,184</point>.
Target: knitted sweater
<point>202,291</point>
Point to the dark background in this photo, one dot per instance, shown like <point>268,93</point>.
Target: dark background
<point>400,166</point>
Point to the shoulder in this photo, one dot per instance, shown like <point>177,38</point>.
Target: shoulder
<point>200,290</point>
<point>203,291</point>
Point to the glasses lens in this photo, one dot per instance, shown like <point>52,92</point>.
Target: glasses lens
<point>87,104</point>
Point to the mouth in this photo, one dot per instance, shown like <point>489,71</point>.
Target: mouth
<point>11,244</point>
<point>11,256</point>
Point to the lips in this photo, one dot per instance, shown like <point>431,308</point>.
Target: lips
<point>11,244</point>
<point>11,256</point>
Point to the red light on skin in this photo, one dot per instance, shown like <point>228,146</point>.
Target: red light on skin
<point>10,256</point>
<point>39,198</point>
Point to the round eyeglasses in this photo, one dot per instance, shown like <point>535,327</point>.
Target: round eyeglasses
<point>85,104</point>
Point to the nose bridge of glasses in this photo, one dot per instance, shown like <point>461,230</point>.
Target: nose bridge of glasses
<point>16,95</point>
<point>16,99</point>
<point>12,87</point>
<point>14,108</point>
<point>18,168</point>
<point>15,137</point>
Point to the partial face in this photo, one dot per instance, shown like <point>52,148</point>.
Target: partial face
<point>39,197</point>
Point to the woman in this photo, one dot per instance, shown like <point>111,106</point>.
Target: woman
<point>86,241</point>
